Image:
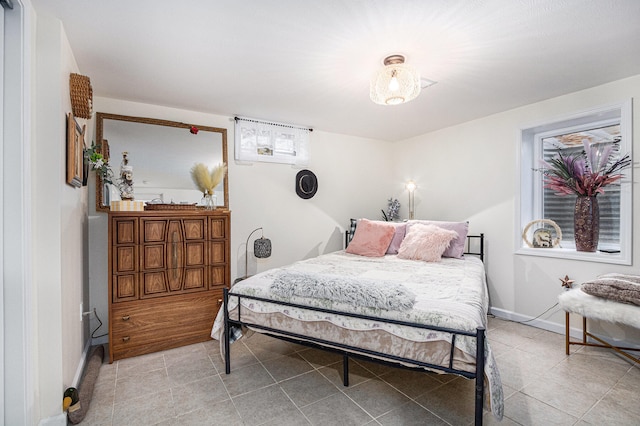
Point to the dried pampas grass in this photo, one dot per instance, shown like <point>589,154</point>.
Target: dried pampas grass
<point>206,179</point>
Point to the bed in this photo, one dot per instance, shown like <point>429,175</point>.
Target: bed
<point>389,308</point>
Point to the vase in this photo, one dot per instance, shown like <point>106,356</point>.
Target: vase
<point>208,201</point>
<point>126,178</point>
<point>586,223</point>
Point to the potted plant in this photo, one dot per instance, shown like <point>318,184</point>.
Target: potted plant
<point>585,174</point>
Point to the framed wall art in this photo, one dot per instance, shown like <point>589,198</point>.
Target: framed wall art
<point>75,151</point>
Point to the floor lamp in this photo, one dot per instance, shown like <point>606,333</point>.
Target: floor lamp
<point>261,250</point>
<point>411,187</point>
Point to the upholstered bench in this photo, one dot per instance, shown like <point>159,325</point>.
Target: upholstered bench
<point>578,302</point>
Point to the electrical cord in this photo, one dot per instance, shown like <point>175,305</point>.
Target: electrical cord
<point>98,327</point>
<point>512,320</point>
<point>529,320</point>
<point>533,319</point>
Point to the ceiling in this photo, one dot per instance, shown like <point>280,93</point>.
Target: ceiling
<point>309,62</point>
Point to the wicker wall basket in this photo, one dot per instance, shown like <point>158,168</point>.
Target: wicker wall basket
<point>81,95</point>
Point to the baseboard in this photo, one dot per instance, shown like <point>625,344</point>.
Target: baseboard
<point>575,333</point>
<point>99,340</point>
<point>85,355</point>
<point>80,369</point>
<point>59,420</point>
<point>538,323</point>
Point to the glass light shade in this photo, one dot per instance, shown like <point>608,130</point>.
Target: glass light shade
<point>395,84</point>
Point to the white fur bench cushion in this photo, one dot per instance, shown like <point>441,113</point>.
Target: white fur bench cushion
<point>579,302</point>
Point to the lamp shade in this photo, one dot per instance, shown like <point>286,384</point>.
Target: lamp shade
<point>262,248</point>
<point>395,83</point>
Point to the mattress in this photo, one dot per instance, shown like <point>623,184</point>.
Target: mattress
<point>450,294</point>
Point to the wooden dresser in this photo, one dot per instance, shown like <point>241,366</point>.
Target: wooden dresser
<point>167,270</point>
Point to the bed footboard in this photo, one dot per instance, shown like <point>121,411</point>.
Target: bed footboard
<point>348,351</point>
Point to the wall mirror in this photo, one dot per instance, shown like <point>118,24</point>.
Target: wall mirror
<point>161,153</point>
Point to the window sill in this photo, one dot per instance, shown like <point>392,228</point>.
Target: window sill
<point>572,254</point>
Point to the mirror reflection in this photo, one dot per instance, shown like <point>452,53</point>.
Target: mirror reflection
<point>160,154</point>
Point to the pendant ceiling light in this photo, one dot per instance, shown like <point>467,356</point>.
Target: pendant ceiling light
<point>396,83</point>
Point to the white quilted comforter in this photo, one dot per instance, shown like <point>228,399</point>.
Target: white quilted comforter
<point>451,294</point>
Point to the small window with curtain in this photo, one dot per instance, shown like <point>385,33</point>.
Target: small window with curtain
<point>257,140</point>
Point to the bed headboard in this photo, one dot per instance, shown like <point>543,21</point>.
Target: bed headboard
<point>474,245</point>
<point>348,235</point>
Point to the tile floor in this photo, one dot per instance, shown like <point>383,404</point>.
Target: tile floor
<point>278,383</point>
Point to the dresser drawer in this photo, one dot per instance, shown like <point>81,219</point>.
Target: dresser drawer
<point>162,323</point>
<point>218,227</point>
<point>167,270</point>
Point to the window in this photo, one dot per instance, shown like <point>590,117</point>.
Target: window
<point>257,140</point>
<point>606,126</point>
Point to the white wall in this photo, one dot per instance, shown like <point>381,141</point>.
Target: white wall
<point>468,172</point>
<point>59,219</point>
<point>352,182</point>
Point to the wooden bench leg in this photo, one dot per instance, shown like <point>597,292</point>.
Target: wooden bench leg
<point>602,343</point>
<point>566,322</point>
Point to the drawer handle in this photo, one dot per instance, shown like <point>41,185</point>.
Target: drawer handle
<point>219,302</point>
<point>174,244</point>
<point>125,338</point>
<point>125,317</point>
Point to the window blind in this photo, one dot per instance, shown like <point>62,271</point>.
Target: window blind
<point>560,209</point>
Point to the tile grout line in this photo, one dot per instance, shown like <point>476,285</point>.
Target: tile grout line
<point>253,390</point>
<point>605,394</point>
<point>173,401</point>
<point>278,382</point>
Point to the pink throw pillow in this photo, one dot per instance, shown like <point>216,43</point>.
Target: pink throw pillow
<point>456,249</point>
<point>372,238</point>
<point>425,242</point>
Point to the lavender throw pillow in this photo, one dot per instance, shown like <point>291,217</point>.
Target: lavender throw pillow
<point>398,236</point>
<point>456,249</point>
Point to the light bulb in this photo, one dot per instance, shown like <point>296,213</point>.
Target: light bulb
<point>393,84</point>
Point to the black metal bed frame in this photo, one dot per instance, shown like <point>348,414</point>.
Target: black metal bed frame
<point>354,352</point>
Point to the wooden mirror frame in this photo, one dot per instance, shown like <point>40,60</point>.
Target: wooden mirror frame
<point>101,116</point>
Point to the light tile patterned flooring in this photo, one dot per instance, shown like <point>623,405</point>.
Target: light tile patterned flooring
<point>278,383</point>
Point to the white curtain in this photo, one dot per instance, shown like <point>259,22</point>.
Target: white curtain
<point>257,140</point>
